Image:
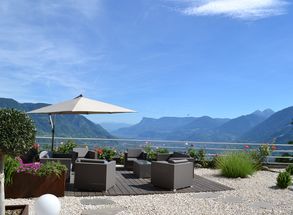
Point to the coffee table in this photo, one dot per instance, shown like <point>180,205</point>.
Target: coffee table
<point>142,168</point>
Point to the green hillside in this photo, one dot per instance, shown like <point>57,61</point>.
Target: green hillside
<point>66,125</point>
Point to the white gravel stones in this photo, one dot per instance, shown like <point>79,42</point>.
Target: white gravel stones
<point>255,195</point>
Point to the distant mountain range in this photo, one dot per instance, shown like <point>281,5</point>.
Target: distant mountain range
<point>112,126</point>
<point>278,126</point>
<point>259,126</point>
<point>66,125</point>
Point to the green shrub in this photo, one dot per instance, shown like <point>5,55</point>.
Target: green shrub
<point>17,132</point>
<point>66,147</point>
<point>51,168</point>
<point>191,152</point>
<point>200,158</point>
<point>284,180</point>
<point>213,162</point>
<point>289,169</point>
<point>151,154</point>
<point>121,158</point>
<point>162,150</point>
<point>237,164</point>
<point>264,151</point>
<point>11,166</point>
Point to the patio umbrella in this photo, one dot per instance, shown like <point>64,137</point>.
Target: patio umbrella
<point>78,105</point>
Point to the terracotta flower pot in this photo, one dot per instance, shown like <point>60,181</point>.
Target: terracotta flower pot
<point>26,185</point>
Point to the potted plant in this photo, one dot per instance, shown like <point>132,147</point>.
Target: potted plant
<point>162,154</point>
<point>106,153</point>
<point>150,153</point>
<point>17,135</point>
<point>34,179</point>
<point>66,148</point>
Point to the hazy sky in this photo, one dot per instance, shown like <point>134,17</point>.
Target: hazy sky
<point>221,58</point>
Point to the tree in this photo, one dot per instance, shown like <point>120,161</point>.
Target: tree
<point>17,136</point>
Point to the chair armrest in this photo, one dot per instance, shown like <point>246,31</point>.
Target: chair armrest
<point>144,155</point>
<point>91,154</point>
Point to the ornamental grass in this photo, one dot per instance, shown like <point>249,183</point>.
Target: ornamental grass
<point>236,164</point>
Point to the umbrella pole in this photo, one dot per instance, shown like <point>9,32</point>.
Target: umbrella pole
<point>52,122</point>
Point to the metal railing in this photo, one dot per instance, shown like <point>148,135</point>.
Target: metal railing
<point>282,155</point>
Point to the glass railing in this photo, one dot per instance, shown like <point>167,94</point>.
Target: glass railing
<point>283,153</point>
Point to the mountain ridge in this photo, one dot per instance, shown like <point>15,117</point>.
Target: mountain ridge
<point>66,125</point>
<point>203,128</point>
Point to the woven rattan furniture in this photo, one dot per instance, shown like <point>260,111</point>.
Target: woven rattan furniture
<point>142,168</point>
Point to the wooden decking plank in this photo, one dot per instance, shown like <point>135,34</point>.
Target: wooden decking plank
<point>129,181</point>
<point>128,184</point>
<point>124,184</point>
<point>140,184</point>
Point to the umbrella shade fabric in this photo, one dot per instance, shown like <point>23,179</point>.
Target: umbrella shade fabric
<point>78,105</point>
<point>81,105</point>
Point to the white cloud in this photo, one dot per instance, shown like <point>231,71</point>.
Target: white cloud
<point>41,44</point>
<point>241,9</point>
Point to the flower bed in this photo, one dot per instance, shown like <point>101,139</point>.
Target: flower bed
<point>26,185</point>
<point>34,179</point>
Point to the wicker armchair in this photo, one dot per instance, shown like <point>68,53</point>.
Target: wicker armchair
<point>131,155</point>
<point>172,175</point>
<point>94,175</point>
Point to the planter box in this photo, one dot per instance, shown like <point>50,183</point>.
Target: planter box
<point>24,208</point>
<point>27,185</point>
<point>163,156</point>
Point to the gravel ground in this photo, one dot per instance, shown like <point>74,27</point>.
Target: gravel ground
<point>253,195</point>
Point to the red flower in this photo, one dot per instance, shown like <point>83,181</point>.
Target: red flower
<point>246,146</point>
<point>274,147</point>
<point>100,151</point>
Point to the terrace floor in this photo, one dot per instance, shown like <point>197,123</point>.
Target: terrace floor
<point>128,184</point>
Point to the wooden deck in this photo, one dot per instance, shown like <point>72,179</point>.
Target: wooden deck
<point>128,184</point>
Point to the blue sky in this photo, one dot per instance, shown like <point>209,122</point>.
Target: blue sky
<point>222,58</point>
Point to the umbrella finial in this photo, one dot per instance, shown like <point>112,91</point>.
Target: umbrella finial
<point>78,96</point>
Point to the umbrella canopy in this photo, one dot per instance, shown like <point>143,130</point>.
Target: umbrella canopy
<point>78,105</point>
<point>81,105</point>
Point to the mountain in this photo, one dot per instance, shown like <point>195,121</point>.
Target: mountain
<point>66,125</point>
<point>153,128</point>
<point>170,128</point>
<point>200,129</point>
<point>112,126</point>
<point>277,126</point>
<point>233,129</point>
<point>194,128</point>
